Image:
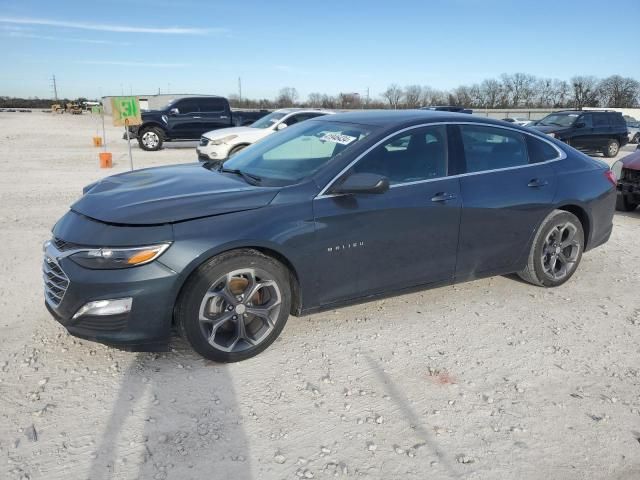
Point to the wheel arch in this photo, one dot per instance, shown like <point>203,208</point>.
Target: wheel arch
<point>267,250</point>
<point>584,218</point>
<point>153,124</point>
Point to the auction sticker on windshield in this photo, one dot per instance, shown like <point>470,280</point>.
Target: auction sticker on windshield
<point>337,138</point>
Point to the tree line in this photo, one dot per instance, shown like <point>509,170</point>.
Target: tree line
<point>518,90</point>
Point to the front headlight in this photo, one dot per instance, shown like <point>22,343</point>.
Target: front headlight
<point>616,168</point>
<point>112,258</point>
<point>222,140</point>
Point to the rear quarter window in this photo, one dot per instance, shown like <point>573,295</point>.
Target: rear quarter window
<point>539,150</point>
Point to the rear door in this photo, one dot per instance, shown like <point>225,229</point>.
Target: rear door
<point>214,113</point>
<point>507,189</point>
<point>601,130</point>
<point>186,123</point>
<point>374,243</point>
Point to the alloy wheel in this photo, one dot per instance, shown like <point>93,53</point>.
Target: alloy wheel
<point>560,251</point>
<point>613,149</point>
<point>150,139</point>
<point>240,310</point>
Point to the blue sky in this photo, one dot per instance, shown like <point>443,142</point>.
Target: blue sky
<point>114,46</point>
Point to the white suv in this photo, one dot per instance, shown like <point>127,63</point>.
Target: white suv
<point>219,145</point>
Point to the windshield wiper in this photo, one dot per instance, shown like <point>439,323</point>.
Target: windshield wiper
<point>248,177</point>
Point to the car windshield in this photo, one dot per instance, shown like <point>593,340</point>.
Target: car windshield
<point>296,152</point>
<point>559,120</point>
<point>268,120</point>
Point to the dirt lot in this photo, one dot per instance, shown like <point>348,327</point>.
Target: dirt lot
<point>493,379</point>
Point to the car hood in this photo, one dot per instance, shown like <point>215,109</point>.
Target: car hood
<point>169,194</point>
<point>243,132</point>
<point>632,162</point>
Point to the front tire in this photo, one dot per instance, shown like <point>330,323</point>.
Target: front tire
<point>234,306</point>
<point>556,250</point>
<point>150,139</point>
<point>612,148</point>
<point>624,204</point>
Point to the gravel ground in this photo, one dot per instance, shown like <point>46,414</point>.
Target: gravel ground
<point>492,379</point>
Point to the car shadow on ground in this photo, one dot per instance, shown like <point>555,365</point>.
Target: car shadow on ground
<point>175,416</point>
<point>633,214</point>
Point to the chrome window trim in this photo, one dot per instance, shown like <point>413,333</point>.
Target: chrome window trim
<point>561,156</point>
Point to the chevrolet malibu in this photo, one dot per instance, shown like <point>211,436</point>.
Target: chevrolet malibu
<point>335,210</point>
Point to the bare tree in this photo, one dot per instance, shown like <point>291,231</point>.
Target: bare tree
<point>520,88</point>
<point>585,91</point>
<point>314,100</point>
<point>617,91</point>
<point>287,97</point>
<point>393,94</point>
<point>491,92</point>
<point>412,96</point>
<point>431,96</point>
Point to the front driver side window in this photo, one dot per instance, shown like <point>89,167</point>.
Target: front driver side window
<point>416,155</point>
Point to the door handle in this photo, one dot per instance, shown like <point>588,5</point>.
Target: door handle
<point>537,183</point>
<point>196,117</point>
<point>223,116</point>
<point>443,197</point>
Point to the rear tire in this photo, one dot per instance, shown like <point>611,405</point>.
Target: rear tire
<point>612,148</point>
<point>234,306</point>
<point>623,204</point>
<point>150,139</point>
<point>556,250</point>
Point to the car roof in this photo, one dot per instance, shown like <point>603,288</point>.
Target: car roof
<point>396,118</point>
<point>299,110</point>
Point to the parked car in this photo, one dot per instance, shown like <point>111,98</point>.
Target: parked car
<point>634,131</point>
<point>218,145</point>
<point>333,210</point>
<point>523,122</point>
<point>627,171</point>
<point>448,108</point>
<point>591,130</point>
<point>188,118</point>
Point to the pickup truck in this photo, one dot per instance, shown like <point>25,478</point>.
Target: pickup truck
<point>187,118</point>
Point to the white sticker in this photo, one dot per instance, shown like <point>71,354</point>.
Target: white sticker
<point>337,138</point>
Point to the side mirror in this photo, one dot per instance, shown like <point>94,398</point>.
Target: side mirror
<point>174,111</point>
<point>363,183</point>
<point>580,124</point>
<point>281,126</point>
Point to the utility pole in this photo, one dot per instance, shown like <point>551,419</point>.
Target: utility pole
<point>55,87</point>
<point>240,88</point>
<point>367,96</point>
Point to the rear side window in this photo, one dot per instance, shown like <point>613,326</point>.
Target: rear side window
<point>616,119</point>
<point>212,105</point>
<point>490,148</point>
<point>409,157</point>
<point>600,120</point>
<point>539,150</point>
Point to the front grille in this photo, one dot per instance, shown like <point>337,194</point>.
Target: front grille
<point>56,281</point>
<point>631,175</point>
<point>204,141</point>
<point>63,245</point>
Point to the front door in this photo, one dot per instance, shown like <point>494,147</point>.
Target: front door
<point>374,243</point>
<point>582,137</point>
<point>186,123</point>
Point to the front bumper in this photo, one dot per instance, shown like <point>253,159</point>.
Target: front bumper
<point>210,152</point>
<point>147,326</point>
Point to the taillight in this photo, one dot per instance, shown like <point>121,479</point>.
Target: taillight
<point>611,177</point>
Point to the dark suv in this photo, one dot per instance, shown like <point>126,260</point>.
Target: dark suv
<point>593,130</point>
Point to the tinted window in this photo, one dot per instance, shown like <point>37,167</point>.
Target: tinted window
<point>587,119</point>
<point>616,119</point>
<point>419,155</point>
<point>540,151</point>
<point>600,120</point>
<point>488,148</point>
<point>188,105</point>
<point>212,105</point>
